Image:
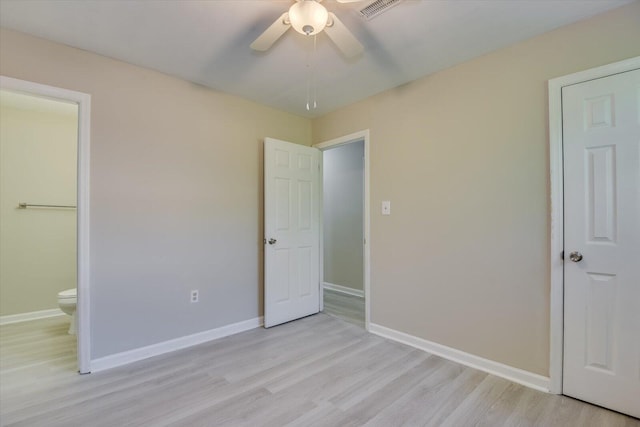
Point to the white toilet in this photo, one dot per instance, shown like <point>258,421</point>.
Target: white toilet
<point>67,302</point>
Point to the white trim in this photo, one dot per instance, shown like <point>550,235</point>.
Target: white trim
<point>362,135</point>
<point>32,315</point>
<point>321,208</point>
<point>520,376</point>
<point>556,299</point>
<point>83,101</point>
<point>142,353</point>
<point>557,207</point>
<point>343,289</point>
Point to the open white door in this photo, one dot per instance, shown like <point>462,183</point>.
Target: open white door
<point>292,231</point>
<point>601,131</point>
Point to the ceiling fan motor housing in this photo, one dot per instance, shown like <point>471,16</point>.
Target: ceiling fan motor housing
<point>308,17</point>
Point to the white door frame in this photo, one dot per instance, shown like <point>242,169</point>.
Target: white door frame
<point>557,206</point>
<point>343,140</point>
<point>83,267</point>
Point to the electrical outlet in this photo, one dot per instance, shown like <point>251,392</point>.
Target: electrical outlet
<point>194,295</point>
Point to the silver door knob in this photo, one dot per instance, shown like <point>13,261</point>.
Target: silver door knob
<point>575,256</point>
<point>272,241</point>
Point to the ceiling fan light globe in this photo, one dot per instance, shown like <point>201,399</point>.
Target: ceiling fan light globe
<point>308,17</point>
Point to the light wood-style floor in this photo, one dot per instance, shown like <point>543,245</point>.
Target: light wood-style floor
<point>318,371</point>
<point>346,307</point>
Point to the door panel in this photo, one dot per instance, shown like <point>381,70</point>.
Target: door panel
<point>601,143</point>
<point>292,231</point>
<point>600,331</point>
<point>601,209</point>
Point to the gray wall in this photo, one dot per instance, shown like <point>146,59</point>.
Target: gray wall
<point>176,193</point>
<point>343,182</point>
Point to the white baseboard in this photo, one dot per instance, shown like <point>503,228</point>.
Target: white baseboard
<point>520,376</point>
<point>343,289</point>
<point>33,315</point>
<point>141,353</point>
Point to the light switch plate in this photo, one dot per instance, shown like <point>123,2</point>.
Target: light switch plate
<point>386,207</point>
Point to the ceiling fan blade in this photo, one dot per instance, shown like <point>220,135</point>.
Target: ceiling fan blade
<point>342,37</point>
<point>272,34</point>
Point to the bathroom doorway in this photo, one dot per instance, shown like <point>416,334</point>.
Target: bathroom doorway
<point>38,157</point>
<point>43,222</point>
<point>345,228</point>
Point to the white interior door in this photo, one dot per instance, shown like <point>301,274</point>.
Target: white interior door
<point>601,138</point>
<point>292,231</point>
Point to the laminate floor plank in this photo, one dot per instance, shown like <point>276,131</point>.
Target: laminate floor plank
<point>378,379</point>
<point>381,398</point>
<point>475,405</point>
<point>327,384</point>
<point>310,369</point>
<point>410,409</point>
<point>106,396</point>
<point>324,414</point>
<point>322,370</point>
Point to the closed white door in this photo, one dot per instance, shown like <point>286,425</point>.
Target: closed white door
<point>601,141</point>
<point>292,231</point>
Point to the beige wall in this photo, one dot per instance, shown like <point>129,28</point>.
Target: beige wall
<point>37,246</point>
<point>176,193</point>
<point>463,157</point>
<point>343,204</point>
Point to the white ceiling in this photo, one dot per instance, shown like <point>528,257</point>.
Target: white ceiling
<point>208,42</point>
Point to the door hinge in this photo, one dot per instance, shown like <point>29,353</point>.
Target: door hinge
<point>562,255</point>
<point>265,240</point>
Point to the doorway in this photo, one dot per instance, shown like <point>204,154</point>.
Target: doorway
<point>38,146</point>
<point>63,99</point>
<point>595,172</point>
<point>344,228</point>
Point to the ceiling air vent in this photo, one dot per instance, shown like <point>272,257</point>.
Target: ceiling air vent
<point>377,7</point>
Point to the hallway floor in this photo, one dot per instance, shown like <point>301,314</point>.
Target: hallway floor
<point>349,308</point>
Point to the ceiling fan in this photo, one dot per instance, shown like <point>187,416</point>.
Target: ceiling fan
<point>309,17</point>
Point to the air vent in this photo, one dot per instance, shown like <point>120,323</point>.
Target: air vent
<point>377,7</point>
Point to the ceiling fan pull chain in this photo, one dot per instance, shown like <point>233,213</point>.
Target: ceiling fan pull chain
<point>311,78</point>
<point>314,73</point>
<point>308,75</point>
<point>308,92</point>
